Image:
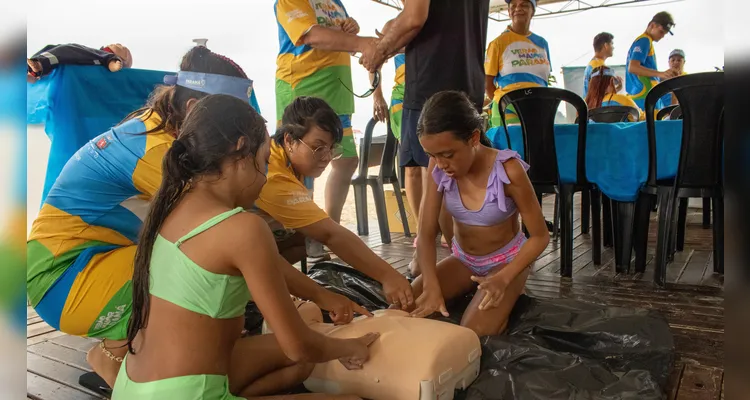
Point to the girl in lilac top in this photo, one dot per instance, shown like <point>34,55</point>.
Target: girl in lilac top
<point>485,190</point>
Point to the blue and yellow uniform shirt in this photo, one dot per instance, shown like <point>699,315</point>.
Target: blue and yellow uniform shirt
<point>516,62</point>
<point>636,86</point>
<point>397,95</point>
<point>96,206</point>
<point>593,64</point>
<point>302,70</point>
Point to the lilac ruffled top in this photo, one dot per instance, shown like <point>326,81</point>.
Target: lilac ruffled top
<point>496,208</point>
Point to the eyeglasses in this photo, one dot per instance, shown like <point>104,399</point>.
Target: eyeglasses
<point>375,84</point>
<point>322,153</point>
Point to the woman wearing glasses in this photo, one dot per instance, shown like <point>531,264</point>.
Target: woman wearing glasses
<point>308,139</point>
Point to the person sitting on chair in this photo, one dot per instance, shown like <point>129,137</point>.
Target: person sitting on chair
<point>304,145</point>
<point>603,92</point>
<point>485,190</point>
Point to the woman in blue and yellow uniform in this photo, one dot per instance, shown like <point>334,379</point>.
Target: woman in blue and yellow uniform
<point>603,92</point>
<point>517,59</point>
<point>83,242</point>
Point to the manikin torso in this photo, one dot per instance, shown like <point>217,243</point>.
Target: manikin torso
<point>413,359</point>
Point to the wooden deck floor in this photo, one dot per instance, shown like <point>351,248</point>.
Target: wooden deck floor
<point>693,303</point>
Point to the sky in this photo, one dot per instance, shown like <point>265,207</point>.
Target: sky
<point>158,33</point>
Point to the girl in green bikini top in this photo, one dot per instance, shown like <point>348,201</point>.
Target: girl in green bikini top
<point>200,258</point>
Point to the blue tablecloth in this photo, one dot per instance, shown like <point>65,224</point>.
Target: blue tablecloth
<point>77,103</point>
<point>616,153</point>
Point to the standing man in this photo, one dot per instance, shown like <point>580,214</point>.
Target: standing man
<point>315,39</point>
<point>642,72</point>
<point>604,48</point>
<point>445,42</point>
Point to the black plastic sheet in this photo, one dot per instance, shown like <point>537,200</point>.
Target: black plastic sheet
<point>567,349</point>
<point>351,283</point>
<point>553,349</point>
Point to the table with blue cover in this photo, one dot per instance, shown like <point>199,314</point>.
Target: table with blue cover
<point>77,103</point>
<point>616,161</point>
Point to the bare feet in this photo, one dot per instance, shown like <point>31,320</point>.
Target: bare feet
<point>414,266</point>
<point>102,364</point>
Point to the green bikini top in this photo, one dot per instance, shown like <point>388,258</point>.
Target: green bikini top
<point>179,280</point>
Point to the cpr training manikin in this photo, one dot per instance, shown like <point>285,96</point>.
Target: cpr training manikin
<point>413,359</point>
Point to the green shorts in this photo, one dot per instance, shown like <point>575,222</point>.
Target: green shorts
<point>347,143</point>
<point>190,387</point>
<point>510,116</point>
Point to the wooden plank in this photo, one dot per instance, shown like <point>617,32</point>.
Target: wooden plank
<point>673,384</point>
<point>695,268</point>
<point>37,329</point>
<point>75,342</point>
<point>700,383</point>
<point>55,371</point>
<point>706,305</point>
<point>33,320</point>
<point>40,388</point>
<point>62,354</point>
<point>709,277</point>
<point>44,337</point>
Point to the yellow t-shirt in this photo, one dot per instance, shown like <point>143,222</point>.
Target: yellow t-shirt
<point>286,201</point>
<point>623,100</point>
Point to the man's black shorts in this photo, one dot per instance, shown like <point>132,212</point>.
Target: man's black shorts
<point>411,153</point>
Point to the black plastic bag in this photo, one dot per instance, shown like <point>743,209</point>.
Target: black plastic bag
<point>351,283</point>
<point>568,349</point>
<point>623,339</point>
<point>520,368</point>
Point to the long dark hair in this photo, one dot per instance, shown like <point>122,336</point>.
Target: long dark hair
<point>210,135</point>
<point>169,102</point>
<point>305,113</point>
<point>598,88</point>
<point>452,111</point>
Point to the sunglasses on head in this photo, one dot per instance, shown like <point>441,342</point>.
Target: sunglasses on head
<point>375,84</point>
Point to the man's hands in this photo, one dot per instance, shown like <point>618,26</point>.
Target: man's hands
<point>340,308</point>
<point>379,107</point>
<point>397,290</point>
<point>372,57</point>
<point>664,75</point>
<point>350,26</point>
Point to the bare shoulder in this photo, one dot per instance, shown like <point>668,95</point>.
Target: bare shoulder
<point>516,172</point>
<point>245,228</point>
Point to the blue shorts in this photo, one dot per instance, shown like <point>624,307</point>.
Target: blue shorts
<point>411,153</point>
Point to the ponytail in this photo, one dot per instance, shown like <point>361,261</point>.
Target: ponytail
<point>175,180</point>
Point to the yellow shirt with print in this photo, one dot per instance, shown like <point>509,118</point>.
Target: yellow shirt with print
<point>286,197</point>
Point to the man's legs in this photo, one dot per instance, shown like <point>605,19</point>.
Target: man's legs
<point>413,182</point>
<point>337,187</point>
<point>415,160</point>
